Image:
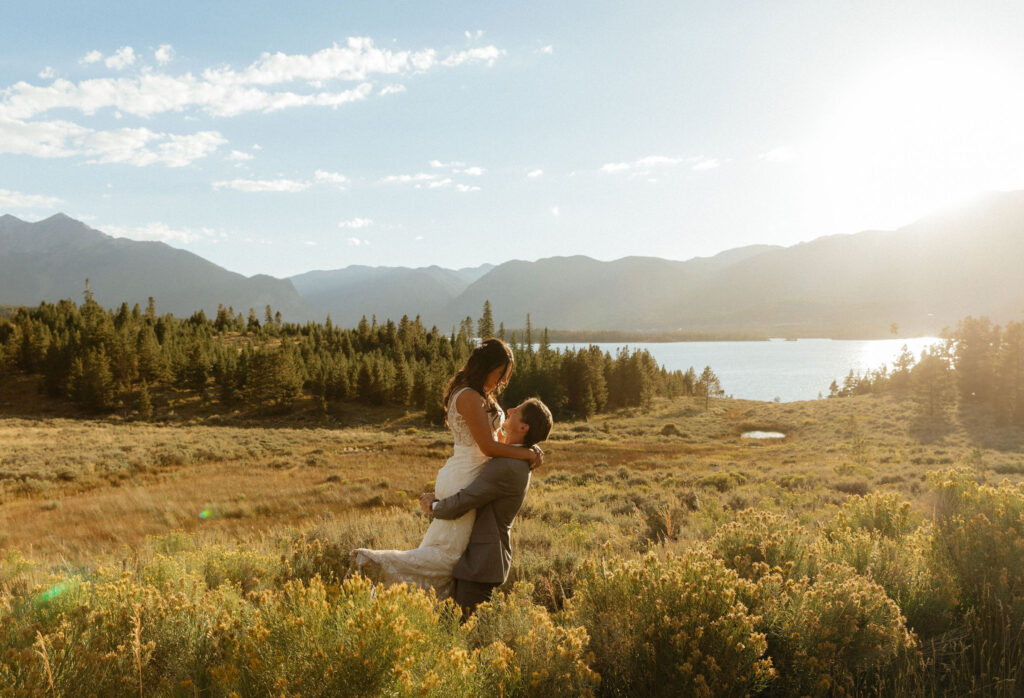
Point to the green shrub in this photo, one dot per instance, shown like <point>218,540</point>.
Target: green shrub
<point>760,541</point>
<point>527,653</point>
<point>827,635</point>
<point>925,592</point>
<point>658,627</point>
<point>884,512</point>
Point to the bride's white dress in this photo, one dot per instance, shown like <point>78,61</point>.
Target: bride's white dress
<point>431,564</point>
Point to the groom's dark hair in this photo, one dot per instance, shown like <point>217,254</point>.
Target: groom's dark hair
<point>538,417</point>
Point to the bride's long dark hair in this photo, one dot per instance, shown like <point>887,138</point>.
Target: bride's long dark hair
<point>491,354</point>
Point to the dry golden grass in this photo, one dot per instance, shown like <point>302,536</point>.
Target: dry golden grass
<point>78,491</point>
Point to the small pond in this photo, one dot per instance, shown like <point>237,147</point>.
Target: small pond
<point>763,435</point>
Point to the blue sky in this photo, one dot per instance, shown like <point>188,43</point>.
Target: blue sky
<point>273,138</point>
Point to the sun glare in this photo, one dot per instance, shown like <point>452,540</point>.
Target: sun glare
<point>917,135</point>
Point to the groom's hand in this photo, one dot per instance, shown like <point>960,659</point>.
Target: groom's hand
<point>427,502</point>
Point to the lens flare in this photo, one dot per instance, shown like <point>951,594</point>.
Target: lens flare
<point>53,592</point>
<point>205,514</point>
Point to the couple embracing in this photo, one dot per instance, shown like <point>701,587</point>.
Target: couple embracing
<point>466,551</point>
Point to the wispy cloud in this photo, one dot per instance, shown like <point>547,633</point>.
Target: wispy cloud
<point>133,146</point>
<point>356,223</point>
<point>453,163</point>
<point>391,89</point>
<point>264,185</point>
<point>164,54</point>
<point>782,153</point>
<point>641,167</point>
<point>239,156</point>
<point>221,91</point>
<point>356,242</point>
<point>549,49</point>
<point>16,199</point>
<point>439,180</point>
<point>419,177</point>
<point>122,58</point>
<point>701,164</point>
<point>139,146</point>
<point>284,185</point>
<point>474,34</point>
<point>47,73</point>
<point>556,211</point>
<point>331,178</point>
<point>535,173</point>
<point>91,57</point>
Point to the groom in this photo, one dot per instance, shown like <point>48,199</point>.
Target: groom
<point>497,493</point>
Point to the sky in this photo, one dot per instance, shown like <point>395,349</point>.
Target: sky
<point>279,138</point>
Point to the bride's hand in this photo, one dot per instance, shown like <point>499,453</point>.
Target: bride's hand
<point>538,457</point>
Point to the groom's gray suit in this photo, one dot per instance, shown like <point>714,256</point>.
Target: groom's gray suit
<point>497,493</point>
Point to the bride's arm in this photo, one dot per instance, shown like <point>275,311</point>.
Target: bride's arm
<point>473,409</point>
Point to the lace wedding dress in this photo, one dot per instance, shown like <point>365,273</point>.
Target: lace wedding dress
<point>431,564</point>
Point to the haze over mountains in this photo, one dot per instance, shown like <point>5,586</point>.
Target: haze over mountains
<point>922,277</point>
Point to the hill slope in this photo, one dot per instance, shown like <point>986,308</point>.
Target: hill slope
<point>387,292</point>
<point>51,259</point>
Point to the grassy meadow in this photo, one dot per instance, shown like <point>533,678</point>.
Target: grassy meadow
<point>658,553</point>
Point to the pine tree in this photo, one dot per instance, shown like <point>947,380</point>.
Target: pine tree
<point>708,386</point>
<point>485,326</point>
<point>143,403</point>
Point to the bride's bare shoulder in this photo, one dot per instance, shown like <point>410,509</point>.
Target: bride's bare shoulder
<point>468,400</point>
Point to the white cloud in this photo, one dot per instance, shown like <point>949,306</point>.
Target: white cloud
<point>701,164</point>
<point>224,91</point>
<point>782,153</point>
<point>239,155</point>
<point>535,173</point>
<point>179,150</point>
<point>356,223</point>
<point>47,73</point>
<point>405,178</point>
<point>471,171</point>
<point>486,54</point>
<point>466,187</point>
<point>164,54</point>
<point>391,89</point>
<point>16,199</point>
<point>161,232</point>
<point>549,49</point>
<point>122,58</point>
<point>331,178</point>
<point>641,167</point>
<point>440,183</point>
<point>611,167</point>
<point>474,35</point>
<point>46,139</point>
<point>263,185</point>
<point>91,57</point>
<point>131,146</point>
<point>555,211</point>
<point>357,242</point>
<point>138,146</point>
<point>310,243</point>
<point>453,163</point>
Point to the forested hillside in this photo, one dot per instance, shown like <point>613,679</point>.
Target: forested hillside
<point>122,360</point>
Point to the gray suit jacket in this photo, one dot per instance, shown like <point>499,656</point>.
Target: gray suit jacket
<point>497,493</point>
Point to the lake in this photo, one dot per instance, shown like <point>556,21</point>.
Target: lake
<point>777,368</point>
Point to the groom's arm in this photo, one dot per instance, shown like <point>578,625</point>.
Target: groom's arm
<point>492,483</point>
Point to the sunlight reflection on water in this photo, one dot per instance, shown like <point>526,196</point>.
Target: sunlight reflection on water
<point>778,368</point>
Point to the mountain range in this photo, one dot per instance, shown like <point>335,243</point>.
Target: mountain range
<point>921,278</point>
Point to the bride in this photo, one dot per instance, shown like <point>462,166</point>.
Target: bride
<point>475,420</point>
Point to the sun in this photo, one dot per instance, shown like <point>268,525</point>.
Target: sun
<point>916,134</point>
